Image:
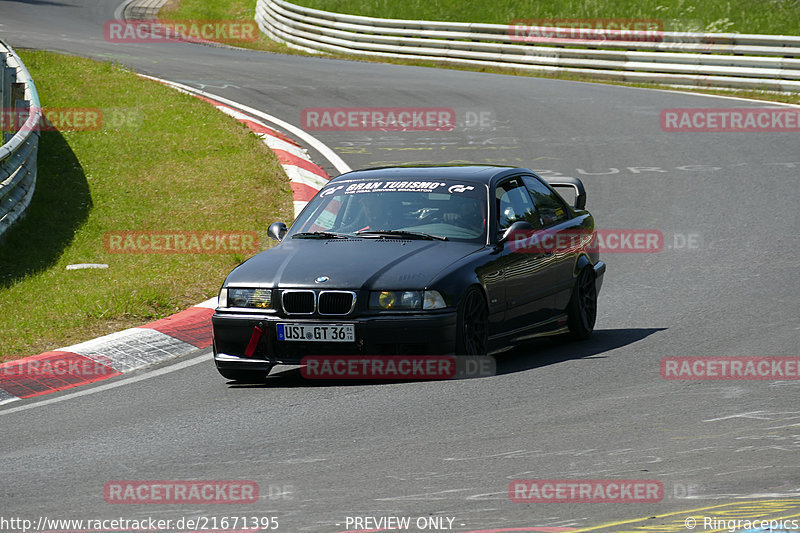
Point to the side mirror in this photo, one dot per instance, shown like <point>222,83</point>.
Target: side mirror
<point>277,230</point>
<point>519,227</point>
<point>574,183</point>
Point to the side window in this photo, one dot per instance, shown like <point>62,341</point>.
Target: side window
<point>550,208</point>
<point>513,204</point>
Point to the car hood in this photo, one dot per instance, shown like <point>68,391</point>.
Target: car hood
<point>381,264</point>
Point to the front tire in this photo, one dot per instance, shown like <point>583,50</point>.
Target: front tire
<point>582,308</point>
<point>472,325</point>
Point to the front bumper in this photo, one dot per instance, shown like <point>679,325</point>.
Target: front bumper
<point>431,333</point>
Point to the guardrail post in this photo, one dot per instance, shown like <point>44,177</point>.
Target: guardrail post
<point>6,76</point>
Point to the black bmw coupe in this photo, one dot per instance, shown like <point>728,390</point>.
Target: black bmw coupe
<point>414,260</point>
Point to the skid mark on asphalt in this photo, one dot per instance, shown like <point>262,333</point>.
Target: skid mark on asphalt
<point>427,496</point>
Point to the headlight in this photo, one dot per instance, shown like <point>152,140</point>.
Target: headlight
<point>395,300</point>
<point>433,300</point>
<point>405,300</point>
<point>249,298</point>
<point>222,299</point>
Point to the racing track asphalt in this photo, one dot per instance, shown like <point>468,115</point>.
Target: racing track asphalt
<point>555,410</point>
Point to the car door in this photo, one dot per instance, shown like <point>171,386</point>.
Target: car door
<point>555,221</point>
<point>529,299</point>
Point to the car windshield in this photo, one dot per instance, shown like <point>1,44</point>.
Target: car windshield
<point>443,209</point>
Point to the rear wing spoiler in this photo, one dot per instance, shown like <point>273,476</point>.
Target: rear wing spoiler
<point>574,183</point>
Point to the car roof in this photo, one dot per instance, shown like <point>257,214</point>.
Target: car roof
<point>479,173</point>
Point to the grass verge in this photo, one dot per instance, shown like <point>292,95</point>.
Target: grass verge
<point>162,161</point>
<point>502,13</point>
<point>781,17</point>
<point>239,10</point>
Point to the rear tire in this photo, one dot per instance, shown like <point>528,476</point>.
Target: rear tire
<point>244,376</point>
<point>582,308</point>
<point>472,324</point>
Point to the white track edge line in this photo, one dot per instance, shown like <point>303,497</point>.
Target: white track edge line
<point>86,391</point>
<point>767,103</point>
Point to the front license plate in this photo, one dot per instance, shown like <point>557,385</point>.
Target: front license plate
<point>317,332</point>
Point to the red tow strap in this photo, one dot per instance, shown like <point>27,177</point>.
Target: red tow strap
<point>254,338</point>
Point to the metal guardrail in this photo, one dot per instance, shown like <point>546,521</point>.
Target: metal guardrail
<point>765,62</point>
<point>141,9</point>
<point>18,153</point>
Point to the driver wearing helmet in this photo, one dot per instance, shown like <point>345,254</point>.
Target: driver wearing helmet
<point>374,215</point>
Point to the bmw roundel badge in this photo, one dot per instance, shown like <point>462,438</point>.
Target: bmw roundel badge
<point>321,279</point>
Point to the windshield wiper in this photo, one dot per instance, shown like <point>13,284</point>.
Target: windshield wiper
<point>401,233</point>
<point>320,235</point>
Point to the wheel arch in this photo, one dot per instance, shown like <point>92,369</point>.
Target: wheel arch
<point>583,261</point>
